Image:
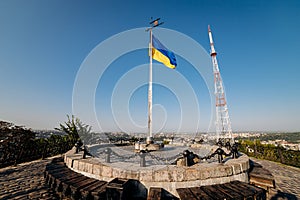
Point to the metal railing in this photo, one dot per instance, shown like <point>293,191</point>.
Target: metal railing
<point>189,158</point>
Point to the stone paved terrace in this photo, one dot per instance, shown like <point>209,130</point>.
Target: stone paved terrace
<point>26,181</point>
<point>287,179</point>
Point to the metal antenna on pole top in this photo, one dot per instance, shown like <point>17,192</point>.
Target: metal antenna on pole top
<point>153,24</point>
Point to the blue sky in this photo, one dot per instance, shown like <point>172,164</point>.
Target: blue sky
<point>44,44</point>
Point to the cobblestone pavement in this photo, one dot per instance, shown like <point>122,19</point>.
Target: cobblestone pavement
<point>25,181</point>
<point>287,180</point>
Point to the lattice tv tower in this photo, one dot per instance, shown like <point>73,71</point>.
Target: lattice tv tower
<point>223,125</point>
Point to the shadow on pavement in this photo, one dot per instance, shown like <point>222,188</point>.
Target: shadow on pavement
<point>282,195</point>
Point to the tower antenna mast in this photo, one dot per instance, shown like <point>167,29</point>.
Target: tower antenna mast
<point>223,125</point>
<point>153,24</point>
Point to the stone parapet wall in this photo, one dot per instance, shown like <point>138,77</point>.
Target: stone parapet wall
<point>168,177</point>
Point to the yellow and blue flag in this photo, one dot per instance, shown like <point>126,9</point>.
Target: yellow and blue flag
<point>162,54</point>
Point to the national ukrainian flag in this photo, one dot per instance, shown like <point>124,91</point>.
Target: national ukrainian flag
<point>162,54</point>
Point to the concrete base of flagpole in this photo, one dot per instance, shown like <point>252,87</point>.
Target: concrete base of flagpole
<point>149,140</point>
<point>148,146</point>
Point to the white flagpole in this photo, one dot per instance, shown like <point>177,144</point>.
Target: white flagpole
<point>153,24</point>
<point>150,92</point>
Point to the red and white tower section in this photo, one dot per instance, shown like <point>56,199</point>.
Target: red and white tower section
<point>223,125</point>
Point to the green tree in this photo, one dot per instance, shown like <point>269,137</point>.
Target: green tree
<point>70,128</point>
<point>84,131</point>
<point>76,129</point>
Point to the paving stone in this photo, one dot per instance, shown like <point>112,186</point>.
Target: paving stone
<point>25,181</point>
<point>287,179</point>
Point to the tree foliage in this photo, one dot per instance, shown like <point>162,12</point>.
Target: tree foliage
<point>70,128</point>
<point>18,144</point>
<point>76,130</point>
<point>270,152</point>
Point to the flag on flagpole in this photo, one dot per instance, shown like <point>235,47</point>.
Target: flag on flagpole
<point>162,54</point>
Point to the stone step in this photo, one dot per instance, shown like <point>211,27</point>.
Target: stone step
<point>69,184</point>
<point>232,190</point>
<point>94,189</point>
<point>154,193</point>
<point>260,176</point>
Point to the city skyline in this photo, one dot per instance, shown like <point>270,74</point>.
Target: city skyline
<point>45,46</point>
